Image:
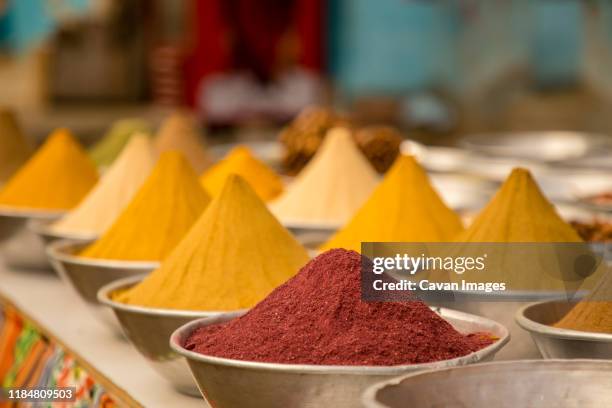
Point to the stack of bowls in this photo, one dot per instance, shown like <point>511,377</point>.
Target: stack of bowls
<point>22,248</point>
<point>149,329</point>
<point>88,275</point>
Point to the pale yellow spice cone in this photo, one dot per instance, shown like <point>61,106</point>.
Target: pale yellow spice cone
<point>332,186</point>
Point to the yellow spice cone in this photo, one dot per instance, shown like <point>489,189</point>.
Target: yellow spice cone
<point>159,215</point>
<point>14,147</point>
<point>56,177</point>
<point>403,208</point>
<point>179,132</point>
<point>97,212</point>
<point>235,255</point>
<point>594,313</point>
<point>339,176</point>
<point>266,183</point>
<point>519,212</point>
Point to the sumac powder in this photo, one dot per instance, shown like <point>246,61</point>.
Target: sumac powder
<point>318,317</point>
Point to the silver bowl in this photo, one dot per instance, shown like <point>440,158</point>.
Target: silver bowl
<point>553,342</point>
<point>43,229</point>
<point>149,329</point>
<point>234,383</point>
<point>20,247</point>
<point>88,275</point>
<point>502,308</point>
<point>318,231</point>
<point>508,384</point>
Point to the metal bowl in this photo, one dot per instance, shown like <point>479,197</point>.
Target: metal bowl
<point>43,229</point>
<point>321,230</point>
<point>502,308</point>
<point>553,342</point>
<point>20,247</point>
<point>88,275</point>
<point>509,384</point>
<point>149,329</point>
<point>234,383</point>
<point>312,241</point>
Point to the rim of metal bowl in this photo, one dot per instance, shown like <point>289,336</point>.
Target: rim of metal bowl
<point>42,227</point>
<point>369,395</point>
<point>340,369</point>
<point>58,251</point>
<point>315,225</point>
<point>31,213</point>
<point>513,295</point>
<point>104,297</point>
<point>550,331</point>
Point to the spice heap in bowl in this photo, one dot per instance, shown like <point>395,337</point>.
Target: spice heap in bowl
<point>573,330</point>
<point>51,182</point>
<point>235,254</point>
<point>340,178</point>
<point>315,332</point>
<point>518,214</point>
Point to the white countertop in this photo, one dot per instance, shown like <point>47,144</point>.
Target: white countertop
<point>54,305</point>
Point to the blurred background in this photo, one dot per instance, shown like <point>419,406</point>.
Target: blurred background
<point>436,69</point>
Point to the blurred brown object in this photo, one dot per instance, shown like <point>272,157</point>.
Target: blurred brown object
<point>376,109</point>
<point>380,144</point>
<point>14,147</point>
<point>594,231</point>
<point>303,136</point>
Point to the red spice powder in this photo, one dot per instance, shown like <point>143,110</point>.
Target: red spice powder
<point>318,317</point>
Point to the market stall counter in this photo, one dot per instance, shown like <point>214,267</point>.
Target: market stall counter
<point>49,339</point>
